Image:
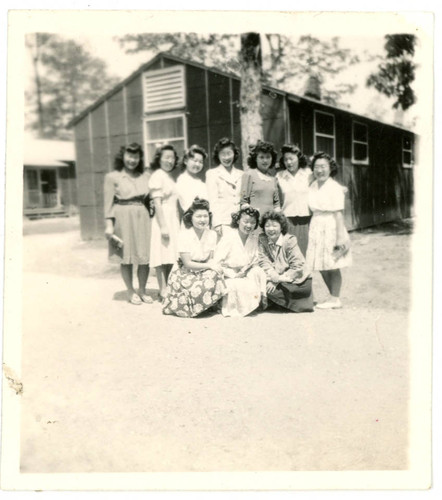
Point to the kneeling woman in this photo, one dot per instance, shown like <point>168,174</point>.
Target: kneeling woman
<point>237,252</point>
<point>195,283</point>
<point>283,263</point>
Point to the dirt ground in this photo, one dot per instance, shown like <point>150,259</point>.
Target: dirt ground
<point>112,387</point>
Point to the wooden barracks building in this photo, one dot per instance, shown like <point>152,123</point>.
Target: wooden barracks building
<point>172,100</point>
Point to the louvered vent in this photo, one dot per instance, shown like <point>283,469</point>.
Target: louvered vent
<point>164,89</point>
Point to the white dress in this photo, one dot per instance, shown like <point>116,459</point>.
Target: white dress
<point>243,294</point>
<point>163,186</point>
<point>325,202</point>
<point>189,188</point>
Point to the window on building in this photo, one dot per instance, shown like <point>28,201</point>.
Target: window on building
<point>167,129</point>
<point>325,133</point>
<point>360,143</point>
<point>164,89</point>
<point>407,152</point>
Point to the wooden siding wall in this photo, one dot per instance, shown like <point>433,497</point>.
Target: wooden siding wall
<point>212,110</point>
<point>98,138</point>
<point>381,191</point>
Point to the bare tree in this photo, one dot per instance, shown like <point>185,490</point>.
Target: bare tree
<point>250,95</point>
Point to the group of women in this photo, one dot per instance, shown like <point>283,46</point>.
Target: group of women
<point>234,243</point>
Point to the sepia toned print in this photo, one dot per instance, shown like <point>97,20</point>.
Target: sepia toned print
<point>110,388</point>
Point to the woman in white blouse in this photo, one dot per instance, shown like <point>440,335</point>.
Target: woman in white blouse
<point>329,244</point>
<point>195,283</point>
<point>294,180</point>
<point>237,252</point>
<point>189,185</point>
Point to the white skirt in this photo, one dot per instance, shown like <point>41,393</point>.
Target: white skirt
<point>321,241</point>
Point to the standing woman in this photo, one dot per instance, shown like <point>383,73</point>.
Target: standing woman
<point>166,223</point>
<point>294,180</point>
<point>128,225</point>
<point>258,186</point>
<point>195,283</point>
<point>189,185</point>
<point>329,244</point>
<point>223,184</point>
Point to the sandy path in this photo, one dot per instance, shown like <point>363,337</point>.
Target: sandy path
<point>110,387</point>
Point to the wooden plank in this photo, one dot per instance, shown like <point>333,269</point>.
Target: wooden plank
<point>134,101</point>
<point>219,100</point>
<point>87,222</point>
<point>99,121</point>
<point>116,114</point>
<point>86,192</point>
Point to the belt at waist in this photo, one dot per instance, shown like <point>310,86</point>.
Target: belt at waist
<point>136,200</point>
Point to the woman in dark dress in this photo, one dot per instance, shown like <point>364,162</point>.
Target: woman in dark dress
<point>259,187</point>
<point>280,257</point>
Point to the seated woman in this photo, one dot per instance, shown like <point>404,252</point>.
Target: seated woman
<point>237,252</point>
<point>195,283</point>
<point>283,263</point>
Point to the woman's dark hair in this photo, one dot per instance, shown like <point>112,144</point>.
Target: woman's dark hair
<point>293,148</point>
<point>225,142</point>
<point>133,148</point>
<point>245,209</point>
<point>261,147</point>
<point>191,152</point>
<point>197,204</point>
<point>320,155</point>
<point>276,216</point>
<point>155,163</point>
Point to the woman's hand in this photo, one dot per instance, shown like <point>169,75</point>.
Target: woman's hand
<point>283,278</point>
<point>109,230</point>
<point>165,237</point>
<point>215,266</point>
<point>270,286</point>
<point>229,273</point>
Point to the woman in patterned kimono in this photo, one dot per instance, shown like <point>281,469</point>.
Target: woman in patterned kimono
<point>237,252</point>
<point>195,283</point>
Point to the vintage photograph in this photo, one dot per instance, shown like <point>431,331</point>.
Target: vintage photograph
<point>214,248</point>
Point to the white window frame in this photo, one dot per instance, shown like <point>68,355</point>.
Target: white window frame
<point>164,140</point>
<point>354,141</point>
<point>320,134</point>
<point>404,150</point>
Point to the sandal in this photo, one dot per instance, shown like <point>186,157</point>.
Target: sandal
<point>135,299</point>
<point>147,299</point>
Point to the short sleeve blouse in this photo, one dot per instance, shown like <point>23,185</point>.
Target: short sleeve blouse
<point>329,197</point>
<point>161,185</point>
<point>199,249</point>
